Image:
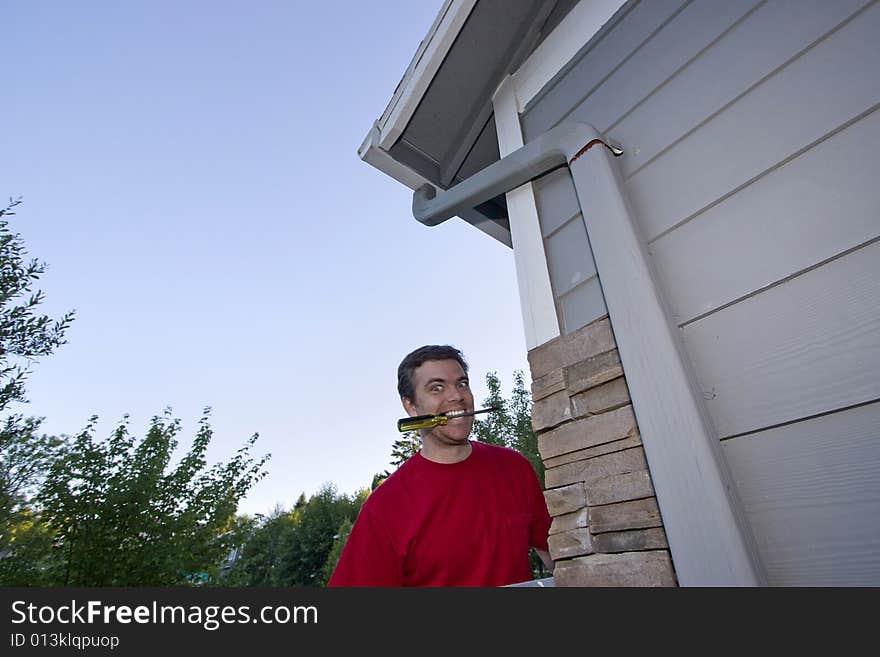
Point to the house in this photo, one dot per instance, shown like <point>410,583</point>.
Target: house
<point>691,190</point>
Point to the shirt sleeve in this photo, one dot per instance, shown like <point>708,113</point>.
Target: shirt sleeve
<point>540,516</point>
<point>369,557</point>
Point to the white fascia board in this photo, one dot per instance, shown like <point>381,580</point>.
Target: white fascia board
<point>540,323</point>
<point>422,69</point>
<point>371,153</point>
<point>584,20</point>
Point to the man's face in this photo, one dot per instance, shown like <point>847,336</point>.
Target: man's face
<point>442,386</point>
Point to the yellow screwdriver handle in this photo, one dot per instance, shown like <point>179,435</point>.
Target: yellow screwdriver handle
<point>421,422</point>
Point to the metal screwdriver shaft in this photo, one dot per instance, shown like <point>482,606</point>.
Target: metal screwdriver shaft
<point>431,421</point>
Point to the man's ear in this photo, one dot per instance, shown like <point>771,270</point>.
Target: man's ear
<point>409,407</point>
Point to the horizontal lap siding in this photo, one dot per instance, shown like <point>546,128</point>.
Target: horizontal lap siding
<point>821,91</point>
<point>808,346</point>
<point>750,131</point>
<point>812,494</point>
<point>819,194</point>
<point>588,70</point>
<point>763,42</point>
<point>576,289</point>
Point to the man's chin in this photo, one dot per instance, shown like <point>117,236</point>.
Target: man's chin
<point>453,438</point>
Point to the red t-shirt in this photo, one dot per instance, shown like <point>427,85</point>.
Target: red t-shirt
<point>448,524</point>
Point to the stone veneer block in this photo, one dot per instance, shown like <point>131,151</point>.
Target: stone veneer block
<point>567,521</point>
<point>551,411</point>
<point>619,488</point>
<point>626,569</point>
<point>548,384</point>
<point>601,398</point>
<point>565,500</point>
<point>630,541</point>
<point>634,514</point>
<point>588,432</point>
<point>599,450</point>
<point>590,470</point>
<point>565,350</point>
<point>571,543</point>
<point>593,371</point>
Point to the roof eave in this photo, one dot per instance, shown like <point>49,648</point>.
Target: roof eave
<point>409,93</point>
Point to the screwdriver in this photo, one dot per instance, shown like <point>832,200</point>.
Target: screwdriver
<point>431,421</point>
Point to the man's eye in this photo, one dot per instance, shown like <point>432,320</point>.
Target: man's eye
<point>436,388</point>
<point>463,385</point>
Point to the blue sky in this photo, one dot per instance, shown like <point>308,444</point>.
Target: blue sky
<point>189,172</point>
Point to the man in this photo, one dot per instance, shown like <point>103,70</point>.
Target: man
<point>459,512</point>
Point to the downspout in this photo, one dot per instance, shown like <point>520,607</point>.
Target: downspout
<point>710,541</point>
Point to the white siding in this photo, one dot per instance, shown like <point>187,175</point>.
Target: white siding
<point>808,346</point>
<point>812,494</point>
<point>576,290</point>
<point>750,133</point>
<point>820,194</point>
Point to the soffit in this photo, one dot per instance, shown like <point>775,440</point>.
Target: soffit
<point>450,129</point>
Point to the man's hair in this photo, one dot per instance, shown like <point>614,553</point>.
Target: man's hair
<point>415,359</point>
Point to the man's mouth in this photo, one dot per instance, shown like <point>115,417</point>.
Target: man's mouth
<point>456,413</point>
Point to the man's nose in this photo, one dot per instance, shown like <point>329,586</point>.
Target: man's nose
<point>455,394</point>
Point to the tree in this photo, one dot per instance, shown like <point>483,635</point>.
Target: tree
<point>525,440</point>
<point>305,550</point>
<point>339,540</point>
<point>120,517</point>
<point>293,548</point>
<point>24,458</point>
<point>29,557</point>
<point>25,336</point>
<point>495,429</point>
<point>260,553</point>
<point>401,450</point>
<point>405,447</point>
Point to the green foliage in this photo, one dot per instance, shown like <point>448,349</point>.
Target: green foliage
<point>260,553</point>
<point>401,451</point>
<point>378,478</point>
<point>525,440</point>
<point>24,334</point>
<point>120,517</point>
<point>24,458</point>
<point>25,455</point>
<point>292,548</point>
<point>29,556</point>
<point>339,540</point>
<point>405,447</point>
<point>495,428</point>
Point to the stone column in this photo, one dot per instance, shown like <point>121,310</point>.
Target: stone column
<point>607,529</point>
